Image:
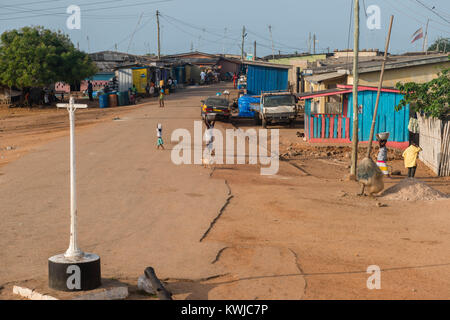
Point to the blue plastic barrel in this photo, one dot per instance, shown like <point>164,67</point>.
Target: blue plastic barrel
<point>103,101</point>
<point>244,104</point>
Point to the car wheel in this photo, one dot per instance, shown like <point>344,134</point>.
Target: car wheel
<point>264,123</point>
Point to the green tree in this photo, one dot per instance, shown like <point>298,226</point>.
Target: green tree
<point>34,56</point>
<point>431,98</point>
<point>441,45</point>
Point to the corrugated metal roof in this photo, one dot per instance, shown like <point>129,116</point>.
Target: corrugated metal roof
<point>324,76</point>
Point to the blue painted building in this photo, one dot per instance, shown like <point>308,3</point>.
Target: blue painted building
<point>335,124</point>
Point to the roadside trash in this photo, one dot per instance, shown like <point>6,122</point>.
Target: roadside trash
<point>145,285</point>
<point>396,173</point>
<point>370,176</point>
<point>162,292</point>
<point>379,204</point>
<point>300,134</point>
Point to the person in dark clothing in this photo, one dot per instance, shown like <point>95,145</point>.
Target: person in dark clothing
<point>90,90</point>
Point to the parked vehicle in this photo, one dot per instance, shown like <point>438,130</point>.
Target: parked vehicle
<point>216,105</point>
<point>276,107</point>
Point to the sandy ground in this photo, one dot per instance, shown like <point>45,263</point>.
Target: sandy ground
<point>220,233</point>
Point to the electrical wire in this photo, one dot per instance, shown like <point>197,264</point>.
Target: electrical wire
<point>414,18</point>
<point>94,9</point>
<point>423,5</point>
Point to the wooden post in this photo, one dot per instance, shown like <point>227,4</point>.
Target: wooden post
<point>380,84</point>
<point>355,91</point>
<point>254,51</point>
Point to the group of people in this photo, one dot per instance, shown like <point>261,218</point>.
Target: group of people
<point>208,77</point>
<point>44,96</point>
<point>409,155</point>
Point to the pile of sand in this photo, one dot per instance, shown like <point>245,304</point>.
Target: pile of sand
<point>412,189</point>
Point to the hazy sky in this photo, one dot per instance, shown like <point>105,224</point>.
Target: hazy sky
<point>201,23</point>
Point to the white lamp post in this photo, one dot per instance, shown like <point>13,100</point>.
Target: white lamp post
<point>74,270</point>
<point>73,251</point>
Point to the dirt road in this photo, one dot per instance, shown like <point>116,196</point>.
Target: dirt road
<point>226,233</point>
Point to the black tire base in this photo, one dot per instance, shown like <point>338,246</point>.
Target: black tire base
<point>74,275</point>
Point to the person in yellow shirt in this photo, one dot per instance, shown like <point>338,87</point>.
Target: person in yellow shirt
<point>410,157</point>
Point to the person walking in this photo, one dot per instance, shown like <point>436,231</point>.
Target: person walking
<point>90,90</point>
<point>161,98</point>
<point>209,137</point>
<point>234,80</point>
<point>410,157</point>
<point>159,142</point>
<point>147,89</point>
<point>382,158</point>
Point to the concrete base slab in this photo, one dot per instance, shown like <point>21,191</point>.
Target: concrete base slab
<point>38,290</point>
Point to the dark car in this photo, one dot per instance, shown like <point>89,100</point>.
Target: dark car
<point>218,106</point>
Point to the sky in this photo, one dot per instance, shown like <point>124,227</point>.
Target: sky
<point>215,26</point>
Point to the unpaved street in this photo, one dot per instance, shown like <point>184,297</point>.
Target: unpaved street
<point>220,233</point>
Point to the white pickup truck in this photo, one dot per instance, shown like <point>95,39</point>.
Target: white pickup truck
<point>276,107</point>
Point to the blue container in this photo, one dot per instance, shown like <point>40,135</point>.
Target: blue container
<point>244,104</point>
<point>103,101</point>
<point>263,78</point>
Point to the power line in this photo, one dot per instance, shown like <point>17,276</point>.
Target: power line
<point>423,5</point>
<point>94,9</point>
<point>427,17</point>
<point>414,18</point>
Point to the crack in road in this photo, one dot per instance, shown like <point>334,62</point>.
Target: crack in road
<point>218,255</point>
<point>213,222</point>
<point>299,268</point>
<point>196,280</point>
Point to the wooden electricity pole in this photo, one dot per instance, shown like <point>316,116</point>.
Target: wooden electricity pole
<point>271,40</point>
<point>380,84</point>
<point>243,41</point>
<point>159,40</point>
<point>314,43</point>
<point>355,91</point>
<point>254,50</point>
<point>309,43</point>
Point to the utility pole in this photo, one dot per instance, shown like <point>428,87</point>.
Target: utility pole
<point>425,39</point>
<point>254,50</point>
<point>243,41</point>
<point>309,43</point>
<point>223,42</point>
<point>271,39</point>
<point>192,46</point>
<point>159,40</point>
<point>314,43</point>
<point>355,91</point>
